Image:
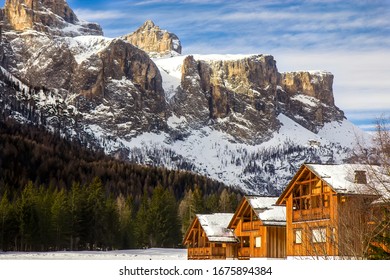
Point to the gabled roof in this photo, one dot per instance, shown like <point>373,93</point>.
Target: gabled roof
<point>341,178</point>
<point>265,209</point>
<point>215,227</point>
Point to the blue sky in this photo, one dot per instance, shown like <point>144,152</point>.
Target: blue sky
<point>349,38</point>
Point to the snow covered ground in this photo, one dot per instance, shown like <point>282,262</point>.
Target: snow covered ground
<point>147,254</point>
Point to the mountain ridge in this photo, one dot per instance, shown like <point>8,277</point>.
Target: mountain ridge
<point>234,118</point>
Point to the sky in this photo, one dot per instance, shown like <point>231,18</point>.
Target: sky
<point>349,38</point>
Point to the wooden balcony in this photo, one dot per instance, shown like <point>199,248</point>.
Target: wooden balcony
<point>249,226</point>
<point>206,253</point>
<point>309,215</point>
<point>244,253</point>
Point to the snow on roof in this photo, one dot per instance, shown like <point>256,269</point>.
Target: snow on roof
<point>267,211</point>
<point>341,178</point>
<point>215,227</point>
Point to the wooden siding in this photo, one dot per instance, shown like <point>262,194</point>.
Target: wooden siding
<point>311,205</point>
<point>203,253</point>
<point>200,248</point>
<point>256,239</point>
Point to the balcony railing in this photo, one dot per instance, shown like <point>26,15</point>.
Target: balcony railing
<point>244,253</point>
<point>249,226</point>
<point>207,253</point>
<point>311,214</point>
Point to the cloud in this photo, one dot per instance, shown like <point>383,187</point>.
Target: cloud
<point>100,15</point>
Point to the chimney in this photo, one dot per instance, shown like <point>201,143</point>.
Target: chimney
<point>360,177</point>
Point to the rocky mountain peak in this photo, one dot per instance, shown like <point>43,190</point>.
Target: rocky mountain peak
<point>53,17</point>
<point>148,25</point>
<point>155,41</point>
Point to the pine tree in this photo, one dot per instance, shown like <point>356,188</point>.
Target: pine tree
<point>95,208</point>
<point>75,215</point>
<point>163,217</point>
<point>60,218</point>
<point>27,218</point>
<point>5,215</point>
<point>142,226</point>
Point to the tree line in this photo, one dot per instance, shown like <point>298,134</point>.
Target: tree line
<point>58,195</point>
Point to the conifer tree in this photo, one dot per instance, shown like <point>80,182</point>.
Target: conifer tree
<point>142,226</point>
<point>163,217</point>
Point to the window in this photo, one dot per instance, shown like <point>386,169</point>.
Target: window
<point>245,241</point>
<point>319,235</point>
<point>258,242</point>
<point>298,236</point>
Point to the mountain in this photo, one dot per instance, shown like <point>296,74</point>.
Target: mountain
<point>156,42</point>
<point>234,118</point>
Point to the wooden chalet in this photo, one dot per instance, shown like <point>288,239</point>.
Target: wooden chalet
<point>208,237</point>
<point>328,209</point>
<point>260,226</point>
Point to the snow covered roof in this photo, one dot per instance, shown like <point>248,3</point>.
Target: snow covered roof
<point>216,227</point>
<point>267,211</point>
<point>342,178</point>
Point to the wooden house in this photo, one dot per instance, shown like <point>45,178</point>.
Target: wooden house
<point>329,210</point>
<point>260,226</point>
<point>208,237</point>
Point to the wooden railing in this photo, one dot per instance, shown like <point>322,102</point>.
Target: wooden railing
<point>207,253</point>
<point>248,226</point>
<point>244,253</point>
<point>311,214</point>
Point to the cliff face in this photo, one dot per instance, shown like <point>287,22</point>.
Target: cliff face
<point>151,39</point>
<point>237,96</point>
<point>53,17</point>
<point>307,98</point>
<point>104,81</point>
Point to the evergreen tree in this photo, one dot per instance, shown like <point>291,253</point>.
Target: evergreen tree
<point>74,203</point>
<point>60,219</point>
<point>212,203</point>
<point>163,217</point>
<point>6,222</point>
<point>95,205</point>
<point>142,226</point>
<point>126,223</point>
<point>27,218</point>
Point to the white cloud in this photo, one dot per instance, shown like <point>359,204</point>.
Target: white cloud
<point>99,15</point>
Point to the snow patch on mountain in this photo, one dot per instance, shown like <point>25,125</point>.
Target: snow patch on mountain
<point>263,168</point>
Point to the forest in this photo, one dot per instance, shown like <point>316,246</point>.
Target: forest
<point>56,194</point>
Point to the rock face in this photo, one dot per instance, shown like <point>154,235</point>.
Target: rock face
<point>95,76</point>
<point>237,96</point>
<point>151,39</point>
<point>307,98</point>
<point>53,17</point>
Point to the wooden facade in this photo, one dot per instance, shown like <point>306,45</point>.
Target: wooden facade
<point>326,211</point>
<point>209,238</point>
<point>260,227</point>
<point>326,208</point>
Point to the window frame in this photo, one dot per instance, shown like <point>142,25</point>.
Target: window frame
<point>318,235</point>
<point>298,236</point>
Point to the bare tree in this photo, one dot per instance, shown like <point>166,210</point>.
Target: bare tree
<point>376,156</point>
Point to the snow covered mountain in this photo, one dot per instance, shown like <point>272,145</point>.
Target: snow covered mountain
<point>234,118</point>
